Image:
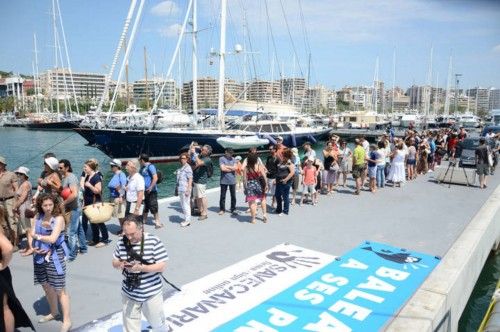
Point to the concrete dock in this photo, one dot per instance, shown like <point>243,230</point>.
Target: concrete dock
<point>458,223</point>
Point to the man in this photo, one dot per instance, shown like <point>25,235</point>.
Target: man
<point>8,188</point>
<point>359,165</point>
<point>482,163</point>
<point>202,164</point>
<point>71,205</point>
<point>272,170</point>
<point>142,258</point>
<point>227,165</point>
<point>280,147</point>
<point>148,172</point>
<point>462,134</point>
<point>308,151</point>
<point>135,189</point>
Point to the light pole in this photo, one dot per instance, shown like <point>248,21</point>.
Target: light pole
<point>457,93</point>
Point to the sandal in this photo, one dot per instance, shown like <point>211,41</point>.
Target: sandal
<point>158,226</point>
<point>252,221</point>
<point>27,253</point>
<point>100,245</point>
<point>48,318</point>
<point>66,327</point>
<point>264,218</point>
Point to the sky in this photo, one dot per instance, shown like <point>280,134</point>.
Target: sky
<point>334,43</point>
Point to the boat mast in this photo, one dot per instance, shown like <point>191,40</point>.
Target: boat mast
<point>429,86</point>
<point>179,68</point>
<point>146,77</point>
<point>121,43</point>
<point>436,99</point>
<point>375,81</point>
<point>222,55</point>
<point>393,78</point>
<point>194,61</point>
<point>35,76</point>
<point>55,55</point>
<point>448,83</point>
<point>244,54</point>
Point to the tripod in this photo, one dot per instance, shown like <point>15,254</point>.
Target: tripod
<point>452,163</point>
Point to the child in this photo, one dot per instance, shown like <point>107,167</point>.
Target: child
<point>239,174</point>
<point>372,159</point>
<point>309,181</point>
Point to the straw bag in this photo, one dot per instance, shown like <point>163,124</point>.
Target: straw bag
<point>99,212</point>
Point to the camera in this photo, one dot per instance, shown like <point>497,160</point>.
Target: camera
<point>132,280</point>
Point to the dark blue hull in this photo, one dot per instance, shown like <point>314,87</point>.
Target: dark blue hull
<point>53,126</point>
<point>164,146</point>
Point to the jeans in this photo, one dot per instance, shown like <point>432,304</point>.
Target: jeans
<point>282,197</point>
<point>223,191</point>
<point>75,231</point>
<point>380,176</point>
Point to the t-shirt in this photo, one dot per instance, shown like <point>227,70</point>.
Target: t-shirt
<point>200,174</point>
<point>6,182</point>
<point>309,175</point>
<point>147,172</point>
<point>69,181</point>
<point>88,195</point>
<point>359,155</point>
<point>412,153</point>
<point>134,185</point>
<point>374,156</point>
<point>272,167</point>
<point>118,180</point>
<point>310,153</point>
<point>150,282</point>
<point>228,178</point>
<point>381,158</point>
<point>482,154</point>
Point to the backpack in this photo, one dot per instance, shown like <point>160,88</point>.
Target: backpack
<point>158,173</point>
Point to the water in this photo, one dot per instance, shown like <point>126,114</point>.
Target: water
<point>481,295</point>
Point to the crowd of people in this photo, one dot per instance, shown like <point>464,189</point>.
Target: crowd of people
<point>50,215</point>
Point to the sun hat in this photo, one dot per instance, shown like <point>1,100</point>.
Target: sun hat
<point>3,160</point>
<point>279,138</point>
<point>238,158</point>
<point>52,162</point>
<point>310,158</point>
<point>23,170</point>
<point>295,151</point>
<point>116,162</point>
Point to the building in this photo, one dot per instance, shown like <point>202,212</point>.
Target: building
<point>58,84</point>
<point>151,90</point>
<point>12,87</point>
<point>264,91</point>
<point>208,92</point>
<point>494,99</point>
<point>293,91</point>
<point>317,99</point>
<point>378,96</point>
<point>400,103</point>
<point>482,97</point>
<point>332,101</point>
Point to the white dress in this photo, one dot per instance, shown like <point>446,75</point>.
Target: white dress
<point>397,171</point>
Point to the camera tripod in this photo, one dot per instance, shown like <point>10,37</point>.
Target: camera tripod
<point>451,164</point>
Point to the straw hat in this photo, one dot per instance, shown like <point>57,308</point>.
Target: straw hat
<point>23,170</point>
<point>52,162</point>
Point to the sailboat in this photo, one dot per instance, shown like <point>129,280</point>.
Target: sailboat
<point>166,144</point>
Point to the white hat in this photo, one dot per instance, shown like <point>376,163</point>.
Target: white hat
<point>238,158</point>
<point>116,162</point>
<point>52,162</point>
<point>279,138</point>
<point>295,151</point>
<point>310,158</point>
<point>3,160</point>
<point>23,170</point>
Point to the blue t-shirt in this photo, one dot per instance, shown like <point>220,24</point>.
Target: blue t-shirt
<point>147,172</point>
<point>227,177</point>
<point>118,180</point>
<point>373,155</point>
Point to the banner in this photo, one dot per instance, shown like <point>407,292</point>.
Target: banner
<point>289,288</point>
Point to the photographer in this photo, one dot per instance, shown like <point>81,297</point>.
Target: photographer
<point>142,258</point>
<point>201,172</point>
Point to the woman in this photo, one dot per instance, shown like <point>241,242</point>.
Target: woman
<point>412,160</point>
<point>135,189</point>
<point>183,186</point>
<point>422,162</point>
<point>381,164</point>
<point>49,257</point>
<point>255,184</point>
<point>22,203</point>
<point>344,155</point>
<point>91,195</point>
<point>440,149</point>
<point>116,188</point>
<point>284,177</point>
<point>12,315</point>
<point>397,171</point>
<point>51,183</point>
<point>331,167</point>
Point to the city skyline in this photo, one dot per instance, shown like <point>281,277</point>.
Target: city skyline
<point>345,39</point>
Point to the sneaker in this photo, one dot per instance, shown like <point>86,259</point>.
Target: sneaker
<point>185,223</point>
<point>280,214</point>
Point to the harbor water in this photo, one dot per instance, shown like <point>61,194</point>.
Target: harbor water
<point>26,148</point>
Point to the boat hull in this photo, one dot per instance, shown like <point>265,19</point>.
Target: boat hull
<point>57,125</point>
<point>166,146</point>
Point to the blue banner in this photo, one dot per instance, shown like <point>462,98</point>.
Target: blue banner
<point>361,291</point>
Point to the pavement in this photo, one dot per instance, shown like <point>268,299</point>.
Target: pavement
<point>422,216</point>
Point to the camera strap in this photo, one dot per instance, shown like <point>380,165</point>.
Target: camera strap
<point>134,255</point>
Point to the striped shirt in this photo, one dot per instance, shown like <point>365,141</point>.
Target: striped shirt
<point>150,282</point>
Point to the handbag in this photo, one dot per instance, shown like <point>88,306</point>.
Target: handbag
<point>99,212</point>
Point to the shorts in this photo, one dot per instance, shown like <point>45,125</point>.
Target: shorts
<point>118,209</point>
<point>483,169</point>
<point>411,162</point>
<point>199,190</point>
<point>271,184</point>
<point>296,182</point>
<point>358,171</point>
<point>151,202</point>
<point>430,158</point>
<point>309,189</point>
<point>372,172</point>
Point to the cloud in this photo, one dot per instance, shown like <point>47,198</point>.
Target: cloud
<point>171,30</point>
<point>165,8</point>
<point>496,49</point>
